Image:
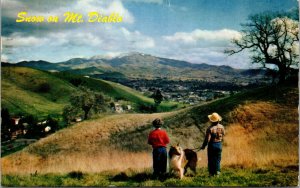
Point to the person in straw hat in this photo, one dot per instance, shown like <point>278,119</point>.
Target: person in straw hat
<point>159,139</point>
<point>214,136</point>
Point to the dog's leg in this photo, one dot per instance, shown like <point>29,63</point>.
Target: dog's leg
<point>193,168</point>
<point>181,173</point>
<point>185,169</point>
<point>192,165</point>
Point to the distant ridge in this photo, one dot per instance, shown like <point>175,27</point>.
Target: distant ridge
<point>140,65</point>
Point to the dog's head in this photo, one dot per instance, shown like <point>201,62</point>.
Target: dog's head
<point>175,150</point>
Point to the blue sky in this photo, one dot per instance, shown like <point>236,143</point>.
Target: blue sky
<point>197,31</point>
<point>187,15</point>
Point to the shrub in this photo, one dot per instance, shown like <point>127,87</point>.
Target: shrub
<point>76,175</point>
<point>147,108</point>
<point>44,87</point>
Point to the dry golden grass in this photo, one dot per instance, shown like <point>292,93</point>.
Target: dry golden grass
<point>259,134</point>
<point>262,134</point>
<point>83,147</point>
<point>106,160</point>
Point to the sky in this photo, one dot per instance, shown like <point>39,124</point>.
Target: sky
<point>197,31</point>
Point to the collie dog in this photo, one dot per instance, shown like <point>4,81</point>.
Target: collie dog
<point>181,160</point>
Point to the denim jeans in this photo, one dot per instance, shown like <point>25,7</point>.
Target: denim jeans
<point>159,161</point>
<point>214,153</point>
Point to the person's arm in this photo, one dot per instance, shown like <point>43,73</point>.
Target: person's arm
<point>206,139</point>
<point>167,140</point>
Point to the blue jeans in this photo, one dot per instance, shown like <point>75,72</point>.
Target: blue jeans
<point>214,154</point>
<point>159,161</point>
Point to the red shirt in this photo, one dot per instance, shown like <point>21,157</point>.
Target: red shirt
<point>158,138</point>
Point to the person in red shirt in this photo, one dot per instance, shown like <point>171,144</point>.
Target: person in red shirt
<point>159,139</point>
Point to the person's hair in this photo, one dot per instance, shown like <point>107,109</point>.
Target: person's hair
<point>215,123</point>
<point>157,123</point>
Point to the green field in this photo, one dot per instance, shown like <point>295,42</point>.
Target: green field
<point>258,177</point>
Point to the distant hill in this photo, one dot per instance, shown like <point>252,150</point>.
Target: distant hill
<point>138,65</point>
<point>42,65</point>
<point>30,91</point>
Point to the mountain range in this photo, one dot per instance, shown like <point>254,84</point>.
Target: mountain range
<point>138,65</point>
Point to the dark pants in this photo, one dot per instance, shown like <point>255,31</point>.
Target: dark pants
<point>214,153</point>
<point>159,161</point>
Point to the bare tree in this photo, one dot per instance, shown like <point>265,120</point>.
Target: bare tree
<point>272,40</point>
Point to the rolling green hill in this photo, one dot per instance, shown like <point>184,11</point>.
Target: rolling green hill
<point>117,91</point>
<point>31,91</point>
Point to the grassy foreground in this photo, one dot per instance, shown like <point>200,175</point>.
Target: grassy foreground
<point>284,176</point>
<point>260,146</point>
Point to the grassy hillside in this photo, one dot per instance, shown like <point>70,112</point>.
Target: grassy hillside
<point>65,150</point>
<point>260,146</point>
<point>117,91</point>
<point>26,90</point>
<point>262,121</point>
<point>30,91</point>
<point>260,124</point>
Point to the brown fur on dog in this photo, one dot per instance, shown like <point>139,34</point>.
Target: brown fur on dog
<point>192,159</point>
<point>181,160</point>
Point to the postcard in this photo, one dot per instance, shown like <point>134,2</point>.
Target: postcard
<point>102,93</point>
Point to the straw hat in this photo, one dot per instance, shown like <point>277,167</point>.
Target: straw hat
<point>214,117</point>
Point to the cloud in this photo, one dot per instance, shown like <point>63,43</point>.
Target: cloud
<point>104,7</point>
<point>55,46</point>
<point>203,46</point>
<point>209,55</point>
<point>145,1</point>
<point>4,58</point>
<point>54,42</point>
<point>198,35</point>
<point>106,38</point>
<point>137,40</point>
<point>17,40</point>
